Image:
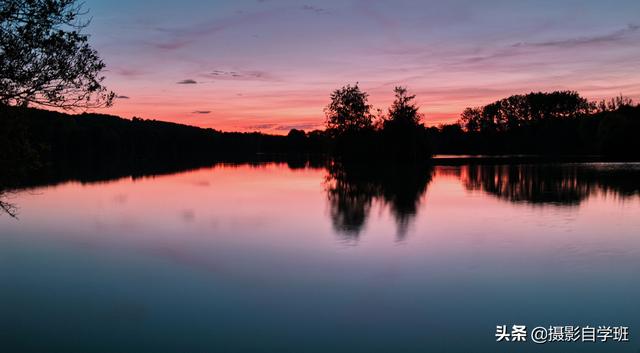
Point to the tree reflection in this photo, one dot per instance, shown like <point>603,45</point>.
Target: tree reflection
<point>551,183</point>
<point>7,207</point>
<point>353,188</point>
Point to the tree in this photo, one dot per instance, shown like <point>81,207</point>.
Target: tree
<point>404,136</point>
<point>349,111</point>
<point>45,58</point>
<point>471,119</point>
<point>522,110</point>
<point>403,111</point>
<point>613,104</point>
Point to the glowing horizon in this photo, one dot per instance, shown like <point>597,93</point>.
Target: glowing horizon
<point>270,65</point>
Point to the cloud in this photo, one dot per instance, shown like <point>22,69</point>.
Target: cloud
<point>129,73</point>
<point>580,41</point>
<point>284,127</point>
<point>498,56</point>
<point>122,97</point>
<point>240,75</point>
<point>187,82</point>
<point>260,126</point>
<point>201,112</point>
<point>177,38</point>
<point>225,73</point>
<point>299,126</point>
<point>530,55</point>
<point>317,10</point>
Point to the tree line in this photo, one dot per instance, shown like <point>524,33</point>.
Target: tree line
<point>552,124</point>
<point>559,123</point>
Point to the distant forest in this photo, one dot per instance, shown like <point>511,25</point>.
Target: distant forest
<point>549,124</point>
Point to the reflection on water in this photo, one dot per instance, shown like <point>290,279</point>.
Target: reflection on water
<point>7,207</point>
<point>562,184</point>
<point>351,189</point>
<point>316,257</point>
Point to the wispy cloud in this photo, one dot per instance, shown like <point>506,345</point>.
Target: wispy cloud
<point>128,72</point>
<point>177,38</point>
<point>297,126</point>
<point>529,55</point>
<point>201,112</point>
<point>225,73</point>
<point>240,75</point>
<point>614,36</point>
<point>314,9</point>
<point>187,82</point>
<point>122,97</point>
<point>260,126</point>
<point>284,127</point>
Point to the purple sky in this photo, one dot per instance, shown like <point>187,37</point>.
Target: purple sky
<point>270,65</point>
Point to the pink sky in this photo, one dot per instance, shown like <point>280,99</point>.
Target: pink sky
<point>270,65</point>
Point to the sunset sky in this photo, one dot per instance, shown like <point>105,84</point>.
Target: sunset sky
<point>270,65</point>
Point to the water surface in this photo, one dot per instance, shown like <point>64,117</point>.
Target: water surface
<point>277,258</point>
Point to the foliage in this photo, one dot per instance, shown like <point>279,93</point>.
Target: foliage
<point>348,111</point>
<point>355,136</point>
<point>609,133</point>
<point>402,131</point>
<point>614,104</point>
<point>45,58</point>
<point>403,110</point>
<point>522,110</point>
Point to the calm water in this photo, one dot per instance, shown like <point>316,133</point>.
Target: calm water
<point>344,259</point>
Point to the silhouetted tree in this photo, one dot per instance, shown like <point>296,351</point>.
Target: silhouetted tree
<point>614,104</point>
<point>617,133</point>
<point>348,111</point>
<point>403,110</point>
<point>404,135</point>
<point>522,110</point>
<point>471,119</point>
<point>553,124</point>
<point>18,155</point>
<point>296,140</point>
<point>295,133</point>
<point>45,58</point>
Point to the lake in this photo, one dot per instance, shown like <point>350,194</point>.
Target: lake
<point>282,257</point>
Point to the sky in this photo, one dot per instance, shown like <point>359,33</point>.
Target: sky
<point>270,65</point>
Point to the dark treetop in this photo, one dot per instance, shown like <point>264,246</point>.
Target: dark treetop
<point>45,59</point>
